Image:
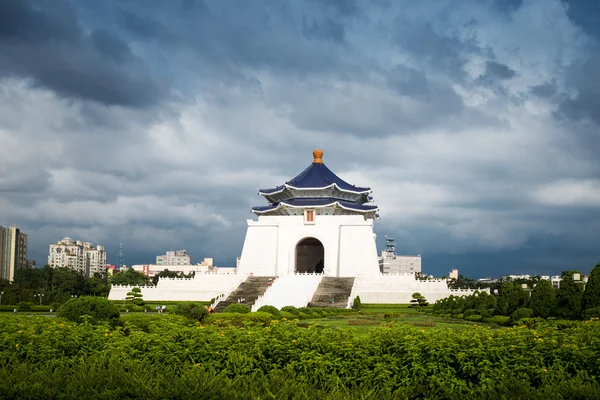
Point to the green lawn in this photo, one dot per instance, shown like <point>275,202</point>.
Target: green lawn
<point>371,317</point>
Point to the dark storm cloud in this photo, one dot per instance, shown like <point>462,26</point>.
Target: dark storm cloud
<point>583,78</point>
<point>325,29</point>
<point>45,43</point>
<point>544,90</point>
<point>144,26</point>
<point>423,102</point>
<point>495,71</point>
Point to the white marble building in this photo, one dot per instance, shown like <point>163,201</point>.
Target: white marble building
<point>315,225</point>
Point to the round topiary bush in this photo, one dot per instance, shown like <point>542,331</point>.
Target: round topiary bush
<point>521,313</point>
<point>191,310</point>
<point>237,308</point>
<point>291,310</point>
<point>271,310</point>
<point>98,309</point>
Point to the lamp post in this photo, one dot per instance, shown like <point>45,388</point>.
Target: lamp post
<point>40,295</point>
<point>1,293</point>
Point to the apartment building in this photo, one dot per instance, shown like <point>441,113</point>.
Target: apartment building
<point>78,255</point>
<point>13,251</point>
<point>176,257</point>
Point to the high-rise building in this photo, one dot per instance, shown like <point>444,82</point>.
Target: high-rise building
<point>13,251</point>
<point>77,255</point>
<point>177,257</point>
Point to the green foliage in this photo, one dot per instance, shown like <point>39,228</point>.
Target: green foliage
<point>418,300</point>
<point>191,310</point>
<point>591,295</point>
<point>498,320</point>
<point>511,297</point>
<point>569,297</point>
<point>162,356</point>
<point>92,309</point>
<point>135,296</point>
<point>591,313</point>
<point>542,300</point>
<point>271,310</point>
<point>56,284</point>
<point>130,277</point>
<point>237,308</point>
<point>240,320</point>
<point>23,306</point>
<point>521,313</point>
<point>291,310</point>
<point>356,303</point>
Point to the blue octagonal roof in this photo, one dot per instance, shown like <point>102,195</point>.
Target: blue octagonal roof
<point>317,176</point>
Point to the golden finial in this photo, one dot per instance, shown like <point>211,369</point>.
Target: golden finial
<point>318,155</point>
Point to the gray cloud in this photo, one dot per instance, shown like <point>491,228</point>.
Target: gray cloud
<point>46,44</point>
<point>479,145</point>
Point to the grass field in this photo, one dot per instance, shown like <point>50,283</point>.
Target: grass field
<point>373,316</point>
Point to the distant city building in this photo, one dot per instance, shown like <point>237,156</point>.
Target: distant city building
<point>77,255</point>
<point>391,263</point>
<point>177,257</point>
<point>453,274</point>
<point>13,251</point>
<point>205,266</point>
<point>111,270</point>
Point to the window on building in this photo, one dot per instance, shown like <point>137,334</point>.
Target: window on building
<point>309,216</point>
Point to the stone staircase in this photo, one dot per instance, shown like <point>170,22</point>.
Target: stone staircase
<point>250,290</point>
<point>338,288</point>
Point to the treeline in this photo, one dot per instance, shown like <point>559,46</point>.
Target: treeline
<point>53,286</point>
<point>48,286</point>
<point>572,300</point>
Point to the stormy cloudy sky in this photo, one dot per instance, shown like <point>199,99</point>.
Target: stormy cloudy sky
<point>154,123</point>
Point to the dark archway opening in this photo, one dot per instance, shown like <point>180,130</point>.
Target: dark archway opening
<point>310,256</point>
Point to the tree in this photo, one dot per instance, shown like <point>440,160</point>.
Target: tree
<point>542,300</point>
<point>130,277</point>
<point>97,309</point>
<point>164,274</point>
<point>510,297</point>
<point>568,297</point>
<point>419,300</point>
<point>591,295</point>
<point>135,296</point>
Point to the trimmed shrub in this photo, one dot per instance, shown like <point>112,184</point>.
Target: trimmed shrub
<point>291,310</point>
<point>304,316</point>
<point>474,318</point>
<point>306,310</point>
<point>24,306</point>
<point>356,303</point>
<point>271,310</point>
<point>239,320</point>
<point>191,310</point>
<point>288,315</point>
<point>592,313</point>
<point>97,309</point>
<point>237,308</point>
<point>521,313</point>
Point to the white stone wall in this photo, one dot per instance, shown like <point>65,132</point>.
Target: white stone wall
<point>398,289</point>
<point>348,240</point>
<point>202,287</point>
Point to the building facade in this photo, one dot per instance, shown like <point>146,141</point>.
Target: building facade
<point>391,263</point>
<point>314,223</point>
<point>176,257</point>
<point>13,251</point>
<point>77,255</point>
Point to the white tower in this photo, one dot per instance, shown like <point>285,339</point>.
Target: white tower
<point>316,222</point>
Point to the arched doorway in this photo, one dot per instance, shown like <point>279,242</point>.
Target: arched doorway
<point>310,256</point>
